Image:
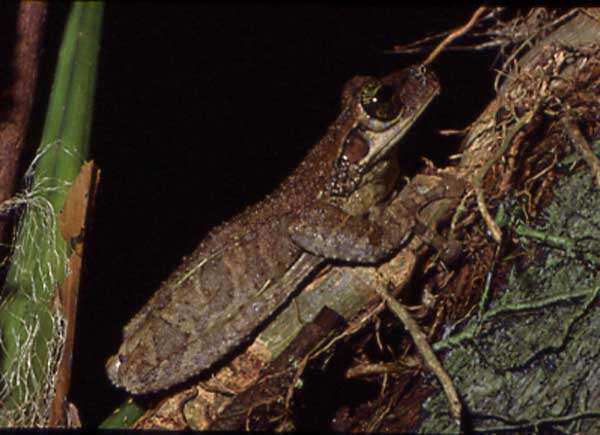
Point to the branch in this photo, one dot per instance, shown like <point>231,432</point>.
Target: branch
<point>30,25</point>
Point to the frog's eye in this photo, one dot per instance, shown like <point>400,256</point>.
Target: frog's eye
<point>356,147</point>
<point>380,101</point>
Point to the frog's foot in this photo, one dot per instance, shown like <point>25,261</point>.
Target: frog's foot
<point>450,251</point>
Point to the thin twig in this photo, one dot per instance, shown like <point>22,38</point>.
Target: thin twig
<point>431,360</point>
<point>420,45</point>
<point>529,40</point>
<point>471,330</point>
<point>540,422</point>
<point>377,369</point>
<point>454,35</point>
<point>416,46</point>
<point>478,181</point>
<point>582,146</point>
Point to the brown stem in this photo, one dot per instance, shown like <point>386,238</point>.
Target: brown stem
<point>425,350</point>
<point>256,407</point>
<point>582,146</point>
<point>30,24</point>
<point>73,222</point>
<point>455,35</point>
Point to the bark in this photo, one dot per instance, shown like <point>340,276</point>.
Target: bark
<point>527,359</point>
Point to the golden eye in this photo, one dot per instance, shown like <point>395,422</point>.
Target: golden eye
<point>380,101</point>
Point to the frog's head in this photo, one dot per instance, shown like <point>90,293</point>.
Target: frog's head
<point>382,111</point>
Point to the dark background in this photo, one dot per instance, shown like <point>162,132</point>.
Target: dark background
<point>203,108</point>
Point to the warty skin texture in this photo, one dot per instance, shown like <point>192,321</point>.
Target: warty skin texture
<point>249,266</point>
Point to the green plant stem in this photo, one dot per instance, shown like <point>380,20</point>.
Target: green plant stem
<point>30,326</point>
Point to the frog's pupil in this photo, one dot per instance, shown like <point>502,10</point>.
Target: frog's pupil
<point>380,102</point>
<point>384,94</point>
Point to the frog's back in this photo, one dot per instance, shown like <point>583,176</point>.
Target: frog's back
<point>253,247</point>
<point>213,301</point>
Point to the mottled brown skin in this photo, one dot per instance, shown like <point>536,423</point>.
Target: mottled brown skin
<point>328,209</point>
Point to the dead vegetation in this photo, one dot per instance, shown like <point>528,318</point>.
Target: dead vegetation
<point>542,129</point>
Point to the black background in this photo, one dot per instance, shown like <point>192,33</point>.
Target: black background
<point>203,108</point>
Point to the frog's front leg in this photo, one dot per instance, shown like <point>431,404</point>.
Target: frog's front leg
<point>449,250</point>
<point>328,231</point>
